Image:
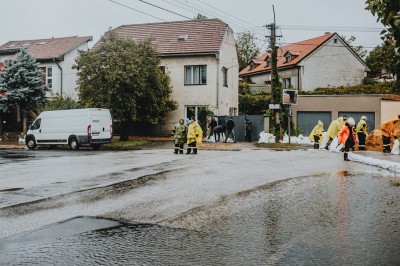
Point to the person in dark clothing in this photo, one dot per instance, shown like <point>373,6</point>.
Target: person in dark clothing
<point>230,125</point>
<point>247,129</point>
<point>218,131</point>
<point>211,126</point>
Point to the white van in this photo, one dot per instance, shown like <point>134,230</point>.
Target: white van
<point>73,127</point>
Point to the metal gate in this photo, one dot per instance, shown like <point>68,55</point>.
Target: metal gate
<point>357,115</point>
<point>308,120</point>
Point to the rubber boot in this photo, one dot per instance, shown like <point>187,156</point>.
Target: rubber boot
<point>195,151</point>
<point>188,151</point>
<point>346,156</point>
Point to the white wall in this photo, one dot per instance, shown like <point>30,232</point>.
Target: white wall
<point>214,95</point>
<point>67,77</point>
<point>331,65</point>
<point>389,109</point>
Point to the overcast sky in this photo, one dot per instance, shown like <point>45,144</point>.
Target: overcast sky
<point>298,19</point>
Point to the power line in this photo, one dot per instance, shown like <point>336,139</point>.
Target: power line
<point>115,2</point>
<point>164,9</point>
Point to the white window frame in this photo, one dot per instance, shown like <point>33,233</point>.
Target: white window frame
<point>194,75</point>
<point>49,77</point>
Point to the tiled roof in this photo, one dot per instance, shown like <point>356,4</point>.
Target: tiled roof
<point>300,50</point>
<point>197,36</point>
<point>45,48</point>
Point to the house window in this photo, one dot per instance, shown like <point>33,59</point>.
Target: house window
<point>197,111</point>
<point>49,77</point>
<point>334,40</point>
<point>195,75</point>
<point>287,83</point>
<point>225,76</point>
<point>288,58</point>
<point>232,111</point>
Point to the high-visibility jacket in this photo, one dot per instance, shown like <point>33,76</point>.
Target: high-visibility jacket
<point>194,133</point>
<point>387,128</point>
<point>362,127</point>
<point>344,134</point>
<point>179,133</point>
<point>334,128</point>
<point>317,131</point>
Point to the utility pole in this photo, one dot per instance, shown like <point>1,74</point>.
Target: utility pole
<point>275,84</point>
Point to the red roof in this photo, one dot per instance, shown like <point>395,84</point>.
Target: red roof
<point>45,48</point>
<point>298,50</point>
<point>197,36</point>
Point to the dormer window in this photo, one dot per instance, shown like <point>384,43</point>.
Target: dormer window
<point>288,58</point>
<point>41,43</point>
<point>268,61</point>
<point>11,45</point>
<point>252,65</point>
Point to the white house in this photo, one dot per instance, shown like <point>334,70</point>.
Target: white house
<point>55,57</point>
<point>324,61</point>
<point>200,57</point>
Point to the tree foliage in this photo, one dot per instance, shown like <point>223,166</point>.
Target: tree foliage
<point>388,13</point>
<point>253,104</point>
<point>246,48</point>
<point>381,58</point>
<point>124,76</point>
<point>22,83</point>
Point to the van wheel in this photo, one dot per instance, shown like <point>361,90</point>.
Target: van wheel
<point>73,144</point>
<point>31,143</point>
<point>96,146</point>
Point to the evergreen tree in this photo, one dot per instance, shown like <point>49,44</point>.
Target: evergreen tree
<point>22,82</point>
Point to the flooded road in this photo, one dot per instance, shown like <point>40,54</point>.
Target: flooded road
<point>195,212</point>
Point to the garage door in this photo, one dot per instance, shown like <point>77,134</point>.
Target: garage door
<point>357,115</point>
<point>308,120</point>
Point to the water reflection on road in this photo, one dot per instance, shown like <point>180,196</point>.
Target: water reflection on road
<point>329,219</point>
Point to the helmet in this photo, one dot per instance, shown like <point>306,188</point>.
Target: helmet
<point>363,117</point>
<point>351,121</point>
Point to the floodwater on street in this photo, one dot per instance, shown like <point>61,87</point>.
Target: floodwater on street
<point>333,218</point>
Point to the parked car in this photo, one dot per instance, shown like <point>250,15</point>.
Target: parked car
<point>73,127</point>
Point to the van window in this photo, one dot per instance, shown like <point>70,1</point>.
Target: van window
<point>36,124</point>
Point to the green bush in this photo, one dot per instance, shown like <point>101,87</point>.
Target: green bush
<point>253,104</point>
<point>378,88</point>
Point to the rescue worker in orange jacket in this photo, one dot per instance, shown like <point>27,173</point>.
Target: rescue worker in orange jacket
<point>346,136</point>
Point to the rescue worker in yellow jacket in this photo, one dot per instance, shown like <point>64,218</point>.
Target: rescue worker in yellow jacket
<point>361,131</point>
<point>316,134</point>
<point>333,130</point>
<point>194,136</point>
<point>387,130</point>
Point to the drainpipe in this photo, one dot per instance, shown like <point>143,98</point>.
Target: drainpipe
<point>217,58</point>
<point>298,78</point>
<point>61,81</point>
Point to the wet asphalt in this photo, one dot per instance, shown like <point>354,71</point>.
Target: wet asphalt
<point>238,206</point>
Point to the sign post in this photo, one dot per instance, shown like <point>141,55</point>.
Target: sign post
<point>289,97</point>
